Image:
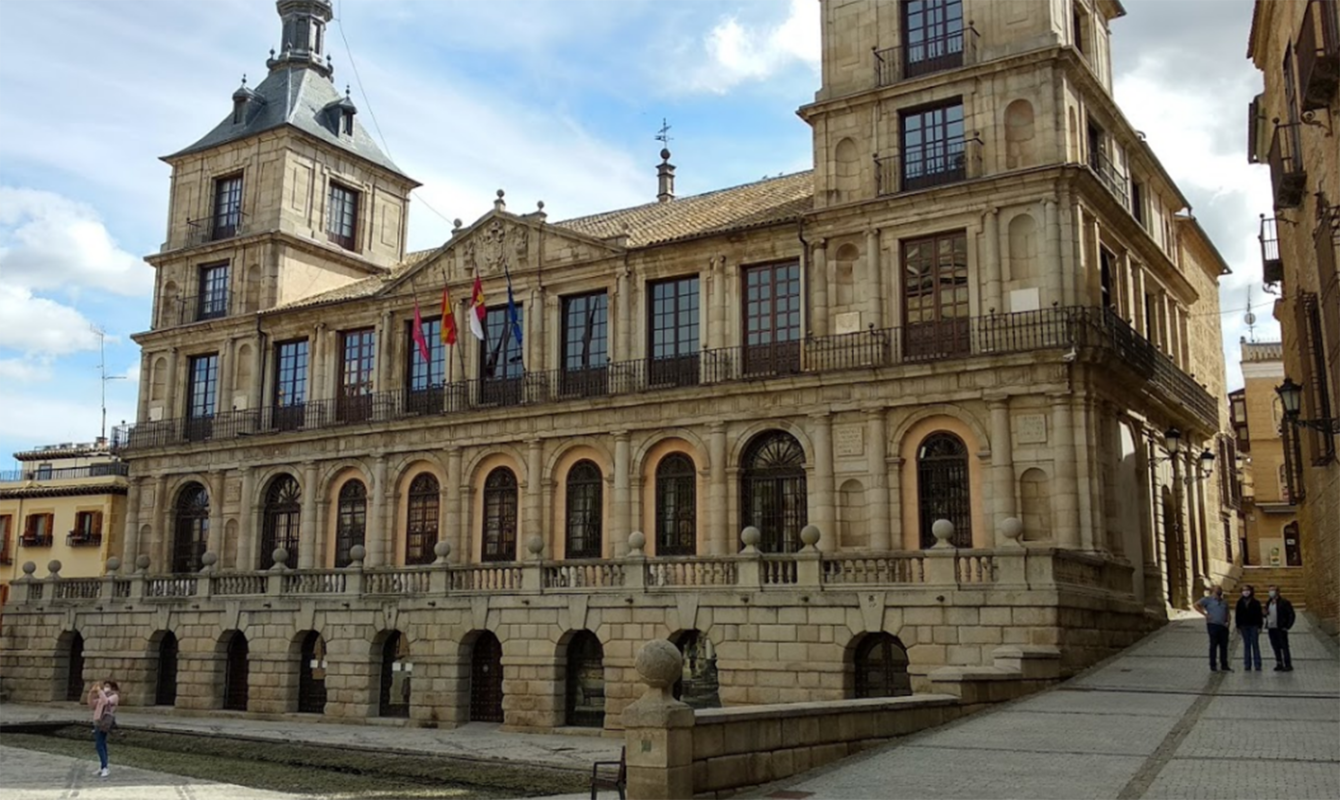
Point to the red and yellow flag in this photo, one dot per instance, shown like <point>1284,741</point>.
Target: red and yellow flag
<point>477,310</point>
<point>448,319</point>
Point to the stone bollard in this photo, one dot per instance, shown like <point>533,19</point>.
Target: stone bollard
<point>940,560</point>
<point>355,584</point>
<point>1012,561</point>
<point>635,564</point>
<point>437,579</point>
<point>809,561</point>
<point>749,573</point>
<point>658,729</point>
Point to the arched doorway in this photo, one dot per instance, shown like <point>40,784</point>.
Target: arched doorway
<point>312,675</point>
<point>582,534</point>
<point>880,665</point>
<point>165,678</point>
<point>236,673</point>
<point>283,511</point>
<point>351,527</point>
<point>486,679</point>
<point>500,515</point>
<point>676,506</point>
<point>585,682</point>
<point>421,526</point>
<point>397,669</point>
<point>699,684</point>
<point>772,491</point>
<point>73,656</point>
<point>190,532</point>
<point>943,489</point>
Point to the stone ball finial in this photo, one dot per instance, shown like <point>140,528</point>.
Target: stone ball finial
<point>456,223</point>
<point>501,193</point>
<point>53,566</point>
<point>209,559</point>
<point>442,549</point>
<point>535,544</point>
<point>751,536</point>
<point>636,541</point>
<point>280,556</point>
<point>357,553</point>
<point>113,564</point>
<point>539,204</point>
<point>29,568</point>
<point>665,154</point>
<point>142,562</point>
<point>1011,528</point>
<point>659,664</point>
<point>809,535</point>
<point>943,531</point>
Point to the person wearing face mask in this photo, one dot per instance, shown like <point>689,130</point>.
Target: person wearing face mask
<point>1214,608</point>
<point>1279,619</point>
<point>1247,617</point>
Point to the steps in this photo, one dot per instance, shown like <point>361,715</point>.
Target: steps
<point>1289,579</point>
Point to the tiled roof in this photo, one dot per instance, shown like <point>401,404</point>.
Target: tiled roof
<point>750,205</point>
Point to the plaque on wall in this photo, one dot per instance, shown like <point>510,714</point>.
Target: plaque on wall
<point>847,322</point>
<point>1032,428</point>
<point>849,441</point>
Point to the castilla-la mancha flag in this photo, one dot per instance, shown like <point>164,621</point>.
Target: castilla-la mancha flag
<point>477,310</point>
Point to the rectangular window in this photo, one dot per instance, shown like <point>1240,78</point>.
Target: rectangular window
<point>673,338</point>
<point>1079,29</point>
<point>290,395</point>
<point>586,344</point>
<point>424,380</point>
<point>501,370</point>
<point>1138,202</point>
<point>342,216</point>
<point>933,147</point>
<point>1106,277</point>
<point>87,528</point>
<point>355,399</point>
<point>932,36</point>
<point>213,299</point>
<point>37,530</point>
<point>227,207</point>
<point>43,472</point>
<point>6,531</point>
<point>935,294</point>
<point>201,396</point>
<point>772,319</point>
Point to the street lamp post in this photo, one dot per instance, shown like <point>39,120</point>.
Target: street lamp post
<point>1291,397</point>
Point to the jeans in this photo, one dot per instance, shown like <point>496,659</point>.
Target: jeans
<point>1279,642</point>
<point>100,744</point>
<point>1219,642</point>
<point>1251,647</point>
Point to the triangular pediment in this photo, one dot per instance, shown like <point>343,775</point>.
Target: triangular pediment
<point>497,243</point>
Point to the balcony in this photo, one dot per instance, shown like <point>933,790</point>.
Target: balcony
<point>36,539</point>
<point>1272,267</point>
<point>1287,176</point>
<point>928,166</point>
<point>186,310</point>
<point>84,538</point>
<point>1111,176</point>
<point>936,54</point>
<point>1001,334</point>
<point>107,470</point>
<point>1318,54</point>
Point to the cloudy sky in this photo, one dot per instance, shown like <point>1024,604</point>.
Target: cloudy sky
<point>549,100</point>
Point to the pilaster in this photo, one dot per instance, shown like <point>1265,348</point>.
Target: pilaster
<point>307,525</point>
<point>821,432</point>
<point>719,536</point>
<point>621,507</point>
<point>1002,468</point>
<point>877,494</point>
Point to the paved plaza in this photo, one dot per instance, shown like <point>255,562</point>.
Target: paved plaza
<point>1153,722</point>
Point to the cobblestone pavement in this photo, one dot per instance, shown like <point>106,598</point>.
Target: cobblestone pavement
<point>1153,722</point>
<point>474,741</point>
<point>30,775</point>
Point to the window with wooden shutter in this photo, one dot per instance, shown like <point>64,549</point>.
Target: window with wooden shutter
<point>1316,395</point>
<point>6,555</point>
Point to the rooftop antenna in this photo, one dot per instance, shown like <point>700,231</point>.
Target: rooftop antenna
<point>1250,318</point>
<point>103,376</point>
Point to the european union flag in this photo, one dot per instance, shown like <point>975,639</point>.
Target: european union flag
<point>513,315</point>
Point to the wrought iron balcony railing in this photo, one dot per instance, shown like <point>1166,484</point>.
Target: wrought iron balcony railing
<point>107,470</point>
<point>1048,329</point>
<point>1318,54</point>
<point>927,166</point>
<point>1288,178</point>
<point>931,55</point>
<point>1272,266</point>
<point>84,538</point>
<point>1111,176</point>
<point>187,309</point>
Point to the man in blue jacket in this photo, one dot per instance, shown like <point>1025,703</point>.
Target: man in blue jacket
<point>1214,608</point>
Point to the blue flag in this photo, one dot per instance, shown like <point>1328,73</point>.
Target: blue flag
<point>513,315</point>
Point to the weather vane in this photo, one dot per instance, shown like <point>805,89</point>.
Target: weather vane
<point>663,135</point>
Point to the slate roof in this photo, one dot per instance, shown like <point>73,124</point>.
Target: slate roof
<point>304,99</point>
<point>739,207</point>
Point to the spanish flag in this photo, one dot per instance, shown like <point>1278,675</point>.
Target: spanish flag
<point>477,309</point>
<point>448,319</point>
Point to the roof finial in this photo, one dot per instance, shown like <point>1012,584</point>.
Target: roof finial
<point>500,204</point>
<point>665,171</point>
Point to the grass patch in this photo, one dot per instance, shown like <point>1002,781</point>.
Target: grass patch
<point>308,769</point>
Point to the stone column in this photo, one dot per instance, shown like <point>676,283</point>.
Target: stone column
<point>1065,490</point>
<point>622,506</point>
<point>307,525</point>
<point>893,468</point>
<point>822,435</point>
<point>623,316</point>
<point>1138,299</point>
<point>226,377</point>
<point>385,342</point>
<point>877,503</point>
<point>173,406</point>
<point>130,543</point>
<point>1002,468</point>
<point>376,529</point>
<point>819,288</point>
<point>142,404</point>
<point>246,523</point>
<point>1052,264</point>
<point>257,393</point>
<point>317,381</point>
<point>719,535</point>
<point>534,331</point>
<point>452,527</point>
<point>874,276</point>
<point>534,495</point>
<point>1088,481</point>
<point>214,539</point>
<point>160,536</point>
<point>991,266</point>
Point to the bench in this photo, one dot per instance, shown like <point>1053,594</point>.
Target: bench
<point>604,781</point>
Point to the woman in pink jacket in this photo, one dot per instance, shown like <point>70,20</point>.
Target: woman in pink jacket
<point>104,698</point>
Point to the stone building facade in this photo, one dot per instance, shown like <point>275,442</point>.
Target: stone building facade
<point>829,431</point>
<point>1270,519</point>
<point>1296,45</point>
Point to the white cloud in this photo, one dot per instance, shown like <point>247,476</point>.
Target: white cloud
<point>38,327</point>
<point>44,418</point>
<point>50,242</point>
<point>739,53</point>
<point>24,370</point>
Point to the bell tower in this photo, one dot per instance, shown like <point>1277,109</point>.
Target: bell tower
<point>303,41</point>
